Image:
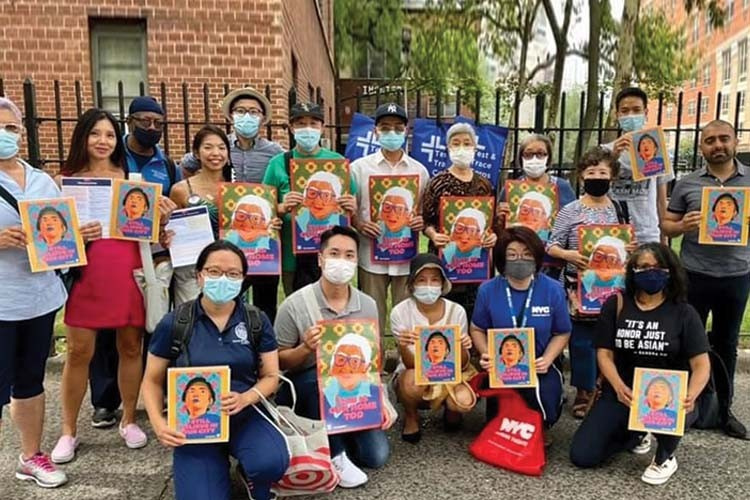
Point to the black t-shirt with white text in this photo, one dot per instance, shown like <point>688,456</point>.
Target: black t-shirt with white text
<point>665,337</point>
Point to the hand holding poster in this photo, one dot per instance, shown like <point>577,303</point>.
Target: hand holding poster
<point>648,154</point>
<point>393,201</point>
<point>658,401</point>
<point>437,355</point>
<point>605,248</point>
<point>54,232</point>
<point>193,403</point>
<point>512,357</point>
<point>349,375</point>
<point>322,183</point>
<point>245,214</point>
<point>724,216</point>
<point>532,205</point>
<point>467,220</point>
<point>135,210</point>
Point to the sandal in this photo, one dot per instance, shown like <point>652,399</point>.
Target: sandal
<point>581,404</point>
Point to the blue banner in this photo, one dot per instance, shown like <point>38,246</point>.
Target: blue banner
<point>362,141</point>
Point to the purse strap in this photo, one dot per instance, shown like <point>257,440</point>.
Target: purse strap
<point>9,198</point>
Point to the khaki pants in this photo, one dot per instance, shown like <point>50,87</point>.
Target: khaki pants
<point>376,286</point>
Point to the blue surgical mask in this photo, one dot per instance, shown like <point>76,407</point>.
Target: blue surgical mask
<point>651,281</point>
<point>246,125</point>
<point>427,294</point>
<point>392,141</point>
<point>8,144</point>
<point>631,123</point>
<point>221,290</point>
<point>307,138</point>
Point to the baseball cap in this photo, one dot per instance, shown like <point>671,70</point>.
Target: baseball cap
<point>391,109</point>
<point>302,109</point>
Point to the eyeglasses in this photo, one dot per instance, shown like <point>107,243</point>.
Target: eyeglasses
<point>527,155</point>
<point>156,123</point>
<point>536,211</point>
<point>13,128</point>
<point>215,272</point>
<point>609,258</point>
<point>389,207</point>
<point>354,362</point>
<point>648,268</point>
<point>461,228</point>
<point>246,111</point>
<point>514,257</point>
<point>256,219</point>
<point>312,193</point>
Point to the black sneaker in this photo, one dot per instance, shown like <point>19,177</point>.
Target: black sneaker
<point>103,418</point>
<point>734,428</point>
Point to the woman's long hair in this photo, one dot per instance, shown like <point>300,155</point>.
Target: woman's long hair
<point>676,289</point>
<point>78,154</point>
<point>201,135</point>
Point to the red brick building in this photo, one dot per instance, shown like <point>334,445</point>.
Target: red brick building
<point>279,44</point>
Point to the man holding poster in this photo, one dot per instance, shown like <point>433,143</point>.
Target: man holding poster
<point>391,123</point>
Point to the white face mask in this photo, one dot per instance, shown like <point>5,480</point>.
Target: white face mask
<point>462,157</point>
<point>534,167</point>
<point>339,271</point>
<point>427,294</point>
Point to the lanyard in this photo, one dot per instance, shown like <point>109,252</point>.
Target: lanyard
<point>522,313</point>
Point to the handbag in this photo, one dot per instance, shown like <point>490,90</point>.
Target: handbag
<point>310,468</point>
<point>513,439</point>
<point>153,282</point>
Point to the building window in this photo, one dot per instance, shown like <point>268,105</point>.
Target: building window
<point>730,11</point>
<point>726,65</point>
<point>670,111</point>
<point>448,104</point>
<point>709,26</point>
<point>691,108</point>
<point>741,97</point>
<point>704,105</point>
<point>725,105</point>
<point>707,73</point>
<point>295,73</point>
<point>742,59</point>
<point>696,28</point>
<point>745,4</point>
<point>118,54</point>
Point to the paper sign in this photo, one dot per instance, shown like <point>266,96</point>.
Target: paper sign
<point>54,230</point>
<point>657,405</point>
<point>648,154</point>
<point>724,216</point>
<point>194,405</point>
<point>393,201</point>
<point>437,355</point>
<point>192,233</point>
<point>135,210</point>
<point>466,219</point>
<point>532,205</point>
<point>93,197</point>
<point>512,357</point>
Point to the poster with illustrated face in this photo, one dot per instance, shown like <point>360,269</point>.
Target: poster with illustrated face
<point>322,183</point>
<point>605,248</point>
<point>658,401</point>
<point>512,357</point>
<point>54,231</point>
<point>349,375</point>
<point>393,201</point>
<point>135,210</point>
<point>724,216</point>
<point>648,154</point>
<point>466,220</point>
<point>194,405</point>
<point>245,214</point>
<point>532,205</point>
<point>437,355</point>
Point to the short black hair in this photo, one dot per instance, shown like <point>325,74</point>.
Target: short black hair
<point>338,231</point>
<point>647,136</point>
<point>631,92</point>
<point>137,190</point>
<point>434,335</point>
<point>522,235</point>
<point>716,202</point>
<point>597,155</point>
<point>217,246</point>
<point>198,380</point>
<point>677,285</point>
<point>515,339</point>
<point>52,211</point>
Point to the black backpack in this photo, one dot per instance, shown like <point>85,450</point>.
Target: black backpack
<point>182,329</point>
<point>713,402</point>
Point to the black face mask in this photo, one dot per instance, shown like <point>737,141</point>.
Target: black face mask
<point>596,187</point>
<point>147,138</point>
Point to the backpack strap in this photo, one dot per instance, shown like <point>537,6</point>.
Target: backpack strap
<point>621,209</point>
<point>171,172</point>
<point>182,329</point>
<point>12,201</point>
<point>287,163</point>
<point>254,323</point>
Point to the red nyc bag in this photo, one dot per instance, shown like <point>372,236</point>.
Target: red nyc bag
<point>513,439</point>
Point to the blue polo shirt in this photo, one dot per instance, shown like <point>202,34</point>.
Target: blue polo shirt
<point>156,169</point>
<point>208,346</point>
<point>547,314</point>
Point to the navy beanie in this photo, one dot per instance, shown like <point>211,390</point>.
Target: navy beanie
<point>145,103</point>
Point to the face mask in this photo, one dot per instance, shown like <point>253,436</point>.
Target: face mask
<point>427,294</point>
<point>8,144</point>
<point>392,141</point>
<point>651,281</point>
<point>596,187</point>
<point>147,138</point>
<point>339,271</point>
<point>221,290</point>
<point>246,125</point>
<point>520,269</point>
<point>631,123</point>
<point>462,157</point>
<point>534,167</point>
<point>307,138</point>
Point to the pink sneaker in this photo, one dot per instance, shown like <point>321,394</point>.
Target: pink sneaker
<point>65,449</point>
<point>134,437</point>
<point>41,470</point>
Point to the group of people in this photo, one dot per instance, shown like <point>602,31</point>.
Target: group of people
<point>535,285</point>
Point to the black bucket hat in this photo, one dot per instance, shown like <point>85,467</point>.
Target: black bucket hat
<point>427,261</point>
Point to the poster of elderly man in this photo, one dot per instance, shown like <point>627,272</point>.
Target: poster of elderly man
<point>532,205</point>
<point>466,219</point>
<point>393,204</point>
<point>605,247</point>
<point>322,183</point>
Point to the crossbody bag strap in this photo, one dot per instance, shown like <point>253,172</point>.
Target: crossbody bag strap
<point>9,198</point>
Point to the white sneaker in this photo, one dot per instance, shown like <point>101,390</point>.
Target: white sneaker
<point>644,446</point>
<point>659,474</point>
<point>350,476</point>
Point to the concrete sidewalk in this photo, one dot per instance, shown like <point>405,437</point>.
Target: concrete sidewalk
<point>710,466</point>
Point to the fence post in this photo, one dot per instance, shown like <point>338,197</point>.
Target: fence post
<point>676,157</point>
<point>539,114</point>
<point>30,121</point>
<point>291,101</point>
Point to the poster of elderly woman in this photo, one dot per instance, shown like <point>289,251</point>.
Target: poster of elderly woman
<point>135,210</point>
<point>193,403</point>
<point>605,248</point>
<point>658,401</point>
<point>246,213</point>
<point>322,183</point>
<point>349,375</point>
<point>724,216</point>
<point>55,241</point>
<point>532,205</point>
<point>466,219</point>
<point>393,202</point>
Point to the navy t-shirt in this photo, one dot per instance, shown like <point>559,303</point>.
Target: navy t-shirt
<point>208,346</point>
<point>547,313</point>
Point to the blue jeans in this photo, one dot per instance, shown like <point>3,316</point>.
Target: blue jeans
<point>583,355</point>
<point>368,448</point>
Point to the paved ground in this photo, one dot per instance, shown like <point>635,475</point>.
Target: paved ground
<point>711,466</point>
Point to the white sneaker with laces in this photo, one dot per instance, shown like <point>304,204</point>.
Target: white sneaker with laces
<point>644,446</point>
<point>350,475</point>
<point>660,474</point>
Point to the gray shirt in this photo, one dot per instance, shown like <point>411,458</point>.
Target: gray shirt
<point>293,318</point>
<point>249,164</point>
<point>711,260</point>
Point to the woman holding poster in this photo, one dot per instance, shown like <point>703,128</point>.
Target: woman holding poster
<point>459,179</point>
<point>649,326</point>
<point>522,297</point>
